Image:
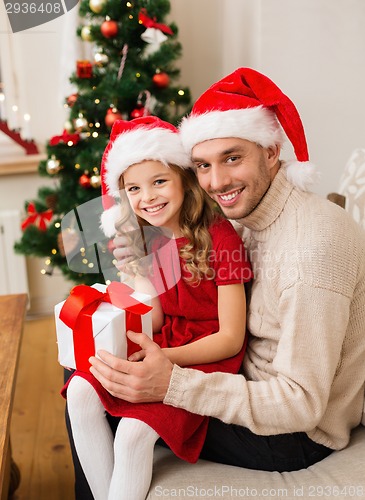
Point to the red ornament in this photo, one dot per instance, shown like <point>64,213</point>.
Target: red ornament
<point>84,181</point>
<point>109,29</point>
<point>161,80</point>
<point>139,111</point>
<point>84,69</point>
<point>112,115</point>
<point>71,99</point>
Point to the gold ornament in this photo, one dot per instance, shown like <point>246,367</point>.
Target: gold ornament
<point>101,59</point>
<point>86,34</point>
<point>53,166</point>
<point>96,5</point>
<point>80,122</point>
<point>95,181</point>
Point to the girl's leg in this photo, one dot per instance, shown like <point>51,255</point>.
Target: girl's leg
<point>133,459</point>
<point>92,435</point>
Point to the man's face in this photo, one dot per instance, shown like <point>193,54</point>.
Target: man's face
<point>236,173</point>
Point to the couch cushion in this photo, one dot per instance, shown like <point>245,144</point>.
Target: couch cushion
<point>340,476</point>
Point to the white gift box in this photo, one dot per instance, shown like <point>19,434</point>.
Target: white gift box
<point>108,326</point>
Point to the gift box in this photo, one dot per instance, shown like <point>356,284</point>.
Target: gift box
<point>97,317</point>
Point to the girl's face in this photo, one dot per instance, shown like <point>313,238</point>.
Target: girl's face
<point>156,194</point>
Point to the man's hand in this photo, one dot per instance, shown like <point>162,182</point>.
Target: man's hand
<point>122,251</point>
<point>138,382</point>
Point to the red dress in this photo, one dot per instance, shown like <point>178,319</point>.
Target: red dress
<point>191,312</point>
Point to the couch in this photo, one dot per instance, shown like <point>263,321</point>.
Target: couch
<point>339,476</point>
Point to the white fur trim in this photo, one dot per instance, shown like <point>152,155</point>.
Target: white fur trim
<point>142,144</point>
<point>301,174</point>
<point>108,219</point>
<point>257,124</point>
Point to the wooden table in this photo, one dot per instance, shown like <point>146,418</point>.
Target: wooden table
<point>12,311</point>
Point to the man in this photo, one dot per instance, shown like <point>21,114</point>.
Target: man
<point>301,390</point>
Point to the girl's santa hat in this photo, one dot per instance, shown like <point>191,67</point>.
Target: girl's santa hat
<point>146,138</point>
<point>248,105</point>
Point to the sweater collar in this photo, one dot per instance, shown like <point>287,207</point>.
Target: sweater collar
<point>271,205</point>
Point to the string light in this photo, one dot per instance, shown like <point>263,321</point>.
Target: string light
<point>97,101</point>
<point>70,143</point>
<point>53,251</point>
<point>181,92</point>
<point>57,225</point>
<point>95,134</point>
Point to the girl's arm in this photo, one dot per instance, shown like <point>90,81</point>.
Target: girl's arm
<point>225,343</point>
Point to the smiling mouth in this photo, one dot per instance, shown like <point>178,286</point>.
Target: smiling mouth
<point>152,210</point>
<point>230,196</point>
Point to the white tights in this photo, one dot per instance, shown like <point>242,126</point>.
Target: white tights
<point>123,473</point>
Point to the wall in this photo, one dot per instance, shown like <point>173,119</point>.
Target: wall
<point>313,49</point>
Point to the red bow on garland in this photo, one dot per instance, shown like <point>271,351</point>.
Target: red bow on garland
<point>64,138</point>
<point>151,23</point>
<point>38,219</point>
<point>81,304</point>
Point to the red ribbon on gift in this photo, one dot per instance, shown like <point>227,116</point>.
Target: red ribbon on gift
<point>81,304</point>
<point>151,23</point>
<point>38,219</point>
<point>64,138</point>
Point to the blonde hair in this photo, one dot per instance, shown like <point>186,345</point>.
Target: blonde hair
<point>198,212</point>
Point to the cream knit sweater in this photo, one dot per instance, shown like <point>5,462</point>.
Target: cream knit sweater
<point>305,364</point>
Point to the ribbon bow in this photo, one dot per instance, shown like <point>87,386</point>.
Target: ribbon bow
<point>65,138</point>
<point>38,219</point>
<point>148,22</point>
<point>81,304</point>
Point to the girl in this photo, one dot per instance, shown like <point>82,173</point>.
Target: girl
<point>199,306</point>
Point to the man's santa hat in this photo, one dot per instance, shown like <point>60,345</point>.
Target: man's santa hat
<point>146,138</point>
<point>248,105</point>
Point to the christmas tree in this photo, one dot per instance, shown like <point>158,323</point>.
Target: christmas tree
<point>131,75</point>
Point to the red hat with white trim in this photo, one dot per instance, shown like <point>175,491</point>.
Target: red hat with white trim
<point>248,105</point>
<point>145,138</point>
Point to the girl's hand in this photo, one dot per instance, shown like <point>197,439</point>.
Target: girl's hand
<point>137,356</point>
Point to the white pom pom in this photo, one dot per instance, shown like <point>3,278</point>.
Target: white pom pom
<point>108,220</point>
<point>301,174</point>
